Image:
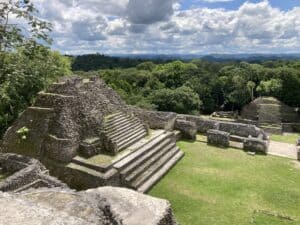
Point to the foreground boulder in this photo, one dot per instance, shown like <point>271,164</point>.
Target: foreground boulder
<point>106,205</point>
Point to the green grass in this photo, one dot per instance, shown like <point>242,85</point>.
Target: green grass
<point>288,138</point>
<point>213,186</point>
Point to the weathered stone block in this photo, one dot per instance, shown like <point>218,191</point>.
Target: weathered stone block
<point>256,145</point>
<point>218,138</point>
<point>203,125</point>
<point>25,173</point>
<point>89,147</point>
<point>188,129</point>
<point>156,119</point>
<point>60,149</point>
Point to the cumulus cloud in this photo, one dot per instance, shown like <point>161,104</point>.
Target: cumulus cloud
<point>149,11</point>
<point>155,26</point>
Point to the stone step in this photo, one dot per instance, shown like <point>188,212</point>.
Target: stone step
<point>236,138</point>
<point>118,119</point>
<point>177,134</point>
<point>142,168</point>
<point>120,165</point>
<point>117,126</point>
<point>83,162</point>
<point>122,129</point>
<point>159,174</point>
<point>104,175</point>
<point>131,140</point>
<point>113,115</point>
<point>140,180</point>
<point>34,184</point>
<point>128,133</point>
<point>152,150</point>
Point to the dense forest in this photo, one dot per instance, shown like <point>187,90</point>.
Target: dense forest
<point>201,86</point>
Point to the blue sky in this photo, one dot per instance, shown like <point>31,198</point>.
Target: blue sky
<point>235,4</point>
<point>173,26</point>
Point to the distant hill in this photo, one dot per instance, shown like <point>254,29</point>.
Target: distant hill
<point>250,57</point>
<point>97,61</point>
<point>91,62</point>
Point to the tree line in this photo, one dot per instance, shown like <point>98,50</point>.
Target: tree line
<point>200,86</point>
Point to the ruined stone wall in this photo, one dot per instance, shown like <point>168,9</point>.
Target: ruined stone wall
<point>25,171</point>
<point>156,119</point>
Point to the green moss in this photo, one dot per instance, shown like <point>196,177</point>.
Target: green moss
<point>225,187</point>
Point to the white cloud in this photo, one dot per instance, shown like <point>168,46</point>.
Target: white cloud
<point>155,26</point>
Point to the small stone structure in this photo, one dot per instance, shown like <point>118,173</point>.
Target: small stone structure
<point>25,173</point>
<point>218,138</point>
<point>101,206</point>
<point>256,145</point>
<point>156,119</point>
<point>188,129</point>
<point>269,112</point>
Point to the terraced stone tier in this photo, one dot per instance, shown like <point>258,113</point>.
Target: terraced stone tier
<point>138,167</point>
<point>144,167</point>
<point>122,131</point>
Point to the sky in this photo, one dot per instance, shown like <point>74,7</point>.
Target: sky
<point>173,26</point>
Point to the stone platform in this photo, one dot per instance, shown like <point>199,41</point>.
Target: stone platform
<point>139,166</point>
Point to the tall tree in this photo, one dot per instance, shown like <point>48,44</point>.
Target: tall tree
<point>19,24</point>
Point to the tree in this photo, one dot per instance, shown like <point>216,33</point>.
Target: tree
<point>26,66</point>
<point>180,100</point>
<point>250,87</point>
<point>12,33</point>
<point>270,87</point>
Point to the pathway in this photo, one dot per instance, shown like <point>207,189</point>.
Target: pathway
<point>282,149</point>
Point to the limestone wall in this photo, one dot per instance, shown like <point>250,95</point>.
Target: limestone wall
<point>25,171</point>
<point>156,119</point>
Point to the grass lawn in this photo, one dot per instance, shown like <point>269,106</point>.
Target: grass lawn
<point>213,186</point>
<point>288,138</point>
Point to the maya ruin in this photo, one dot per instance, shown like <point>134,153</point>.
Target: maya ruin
<point>88,137</point>
<point>149,112</point>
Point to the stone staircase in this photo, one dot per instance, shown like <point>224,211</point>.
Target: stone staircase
<point>121,131</point>
<point>144,167</point>
<point>141,166</point>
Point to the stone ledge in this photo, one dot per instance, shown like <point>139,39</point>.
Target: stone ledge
<point>218,138</point>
